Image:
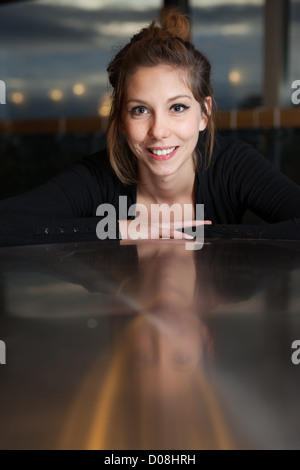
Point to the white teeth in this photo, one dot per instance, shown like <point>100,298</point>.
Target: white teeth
<point>163,152</point>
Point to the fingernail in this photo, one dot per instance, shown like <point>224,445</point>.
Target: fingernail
<point>189,237</point>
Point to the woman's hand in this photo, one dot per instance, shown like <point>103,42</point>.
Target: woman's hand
<point>137,229</point>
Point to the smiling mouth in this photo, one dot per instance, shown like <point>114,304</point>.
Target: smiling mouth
<point>161,153</point>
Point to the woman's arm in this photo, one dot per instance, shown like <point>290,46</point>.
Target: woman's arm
<point>286,230</point>
<point>61,210</point>
<point>247,180</point>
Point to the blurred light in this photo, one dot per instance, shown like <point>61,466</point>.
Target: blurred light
<point>56,95</point>
<point>97,4</point>
<point>92,323</point>
<point>17,97</point>
<point>218,3</point>
<point>104,108</point>
<point>235,76</point>
<point>120,29</point>
<point>78,89</point>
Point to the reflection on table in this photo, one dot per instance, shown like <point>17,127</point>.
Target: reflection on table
<point>150,345</point>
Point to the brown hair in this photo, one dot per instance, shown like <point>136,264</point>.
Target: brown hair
<point>170,45</point>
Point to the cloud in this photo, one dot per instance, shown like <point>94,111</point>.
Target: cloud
<point>54,43</point>
<point>42,25</point>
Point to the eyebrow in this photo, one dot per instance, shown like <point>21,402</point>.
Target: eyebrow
<point>174,98</point>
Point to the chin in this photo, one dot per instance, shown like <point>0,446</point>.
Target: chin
<point>164,169</point>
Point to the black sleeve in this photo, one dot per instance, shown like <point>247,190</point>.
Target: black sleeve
<point>252,182</point>
<point>61,210</point>
<point>286,230</point>
<point>259,186</point>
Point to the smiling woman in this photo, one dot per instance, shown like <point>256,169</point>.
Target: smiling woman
<point>163,62</point>
<point>165,125</point>
<point>162,150</point>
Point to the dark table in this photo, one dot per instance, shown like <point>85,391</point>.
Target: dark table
<point>150,346</point>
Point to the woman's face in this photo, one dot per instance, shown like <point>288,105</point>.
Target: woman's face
<point>161,119</point>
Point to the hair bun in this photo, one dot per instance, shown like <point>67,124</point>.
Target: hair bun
<point>176,23</point>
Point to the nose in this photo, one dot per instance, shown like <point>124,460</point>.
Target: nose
<point>159,128</point>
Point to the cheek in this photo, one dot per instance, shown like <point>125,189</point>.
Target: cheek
<point>190,126</point>
<point>190,131</point>
<point>134,133</point>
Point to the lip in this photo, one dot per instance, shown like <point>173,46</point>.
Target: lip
<point>161,157</point>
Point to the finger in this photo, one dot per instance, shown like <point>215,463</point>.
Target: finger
<point>166,232</point>
<point>182,236</point>
<point>190,223</point>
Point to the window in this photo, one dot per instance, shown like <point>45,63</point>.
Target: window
<point>54,53</point>
<point>230,34</point>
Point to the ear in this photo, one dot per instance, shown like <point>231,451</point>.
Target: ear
<point>204,118</point>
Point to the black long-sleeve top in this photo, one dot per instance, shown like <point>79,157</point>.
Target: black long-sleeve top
<point>238,178</point>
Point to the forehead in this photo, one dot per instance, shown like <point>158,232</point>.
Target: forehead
<point>162,77</point>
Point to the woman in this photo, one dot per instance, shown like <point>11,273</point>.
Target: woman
<point>161,150</point>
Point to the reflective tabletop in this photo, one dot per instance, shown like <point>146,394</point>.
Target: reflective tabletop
<point>150,345</point>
